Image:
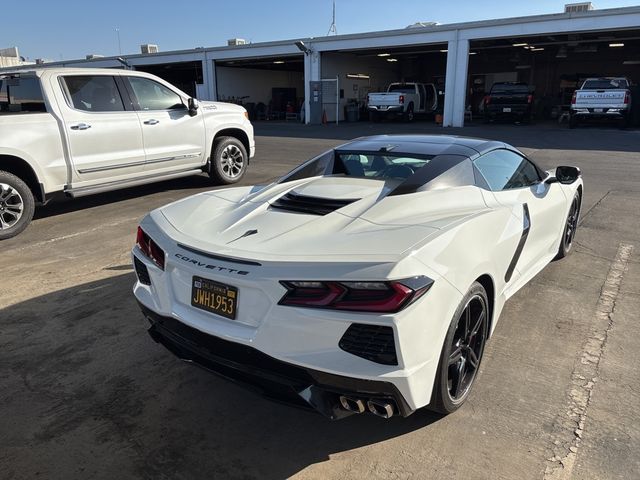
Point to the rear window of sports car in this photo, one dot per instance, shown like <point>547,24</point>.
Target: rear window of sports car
<point>404,173</point>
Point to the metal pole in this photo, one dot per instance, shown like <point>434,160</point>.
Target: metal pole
<point>337,100</point>
<point>119,45</point>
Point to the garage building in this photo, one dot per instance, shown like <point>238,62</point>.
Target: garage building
<point>323,78</point>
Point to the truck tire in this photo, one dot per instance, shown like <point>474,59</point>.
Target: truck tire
<point>16,205</point>
<point>374,117</point>
<point>229,161</point>
<point>408,115</point>
<point>573,121</point>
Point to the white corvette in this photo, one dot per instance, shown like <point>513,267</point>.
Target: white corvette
<point>367,279</point>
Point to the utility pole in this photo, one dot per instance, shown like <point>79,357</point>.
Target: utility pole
<point>332,28</point>
<point>119,45</point>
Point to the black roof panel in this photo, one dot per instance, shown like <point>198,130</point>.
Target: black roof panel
<point>423,144</point>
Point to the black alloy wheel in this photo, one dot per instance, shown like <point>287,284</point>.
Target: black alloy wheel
<point>570,227</point>
<point>462,351</point>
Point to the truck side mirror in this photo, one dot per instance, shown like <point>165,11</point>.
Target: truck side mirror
<point>193,106</point>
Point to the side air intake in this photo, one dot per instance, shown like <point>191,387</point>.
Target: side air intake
<point>294,202</point>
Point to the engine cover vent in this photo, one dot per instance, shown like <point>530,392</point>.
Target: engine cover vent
<point>294,202</point>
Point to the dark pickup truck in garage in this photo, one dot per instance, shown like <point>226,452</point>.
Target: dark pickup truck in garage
<point>512,100</point>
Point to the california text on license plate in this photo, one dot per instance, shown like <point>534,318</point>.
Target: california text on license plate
<point>214,297</point>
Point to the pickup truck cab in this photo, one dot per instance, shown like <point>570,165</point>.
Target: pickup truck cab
<point>403,99</point>
<point>604,98</point>
<point>82,131</point>
<point>512,100</point>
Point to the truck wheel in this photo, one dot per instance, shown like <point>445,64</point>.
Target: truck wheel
<point>374,117</point>
<point>16,205</point>
<point>229,161</point>
<point>408,115</point>
<point>573,121</point>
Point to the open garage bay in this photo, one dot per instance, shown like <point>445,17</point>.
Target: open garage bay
<point>85,393</point>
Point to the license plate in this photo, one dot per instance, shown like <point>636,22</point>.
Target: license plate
<point>214,297</point>
<point>598,110</point>
<point>506,109</point>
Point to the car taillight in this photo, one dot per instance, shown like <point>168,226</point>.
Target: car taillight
<point>401,98</point>
<point>379,297</point>
<point>150,248</point>
<point>529,98</point>
<point>573,98</point>
<point>627,98</point>
<point>487,100</point>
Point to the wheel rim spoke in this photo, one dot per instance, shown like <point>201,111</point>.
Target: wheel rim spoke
<point>11,206</point>
<point>466,348</point>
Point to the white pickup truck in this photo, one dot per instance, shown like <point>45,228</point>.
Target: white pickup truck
<point>604,98</point>
<point>404,99</point>
<point>83,131</point>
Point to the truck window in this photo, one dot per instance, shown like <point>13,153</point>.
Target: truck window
<point>93,93</point>
<point>605,84</point>
<point>400,88</point>
<point>20,95</point>
<point>510,88</point>
<point>153,95</point>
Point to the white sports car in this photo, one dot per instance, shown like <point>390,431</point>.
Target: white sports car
<point>367,279</point>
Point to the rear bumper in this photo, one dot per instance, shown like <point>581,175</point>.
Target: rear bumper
<point>515,110</point>
<point>275,379</point>
<point>386,108</point>
<point>585,113</point>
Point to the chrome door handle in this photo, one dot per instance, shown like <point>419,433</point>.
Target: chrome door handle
<point>81,126</point>
<point>153,121</point>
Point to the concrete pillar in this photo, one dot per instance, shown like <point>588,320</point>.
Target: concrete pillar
<point>209,76</point>
<point>312,72</point>
<point>456,82</point>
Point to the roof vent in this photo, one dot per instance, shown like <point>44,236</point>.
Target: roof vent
<point>236,41</point>
<point>578,7</point>
<point>149,48</point>
<point>294,202</point>
<point>422,24</point>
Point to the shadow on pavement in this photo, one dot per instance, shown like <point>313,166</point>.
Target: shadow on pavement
<point>85,392</point>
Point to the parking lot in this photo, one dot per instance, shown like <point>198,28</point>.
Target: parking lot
<point>85,393</point>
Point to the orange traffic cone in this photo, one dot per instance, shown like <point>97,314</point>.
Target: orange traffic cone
<point>324,117</point>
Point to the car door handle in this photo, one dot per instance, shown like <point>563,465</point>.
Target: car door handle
<point>81,126</point>
<point>153,121</point>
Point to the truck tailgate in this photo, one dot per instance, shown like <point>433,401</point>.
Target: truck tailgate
<point>384,98</point>
<point>600,98</point>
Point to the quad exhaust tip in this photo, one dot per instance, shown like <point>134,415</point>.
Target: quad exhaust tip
<point>380,408</point>
<point>352,404</point>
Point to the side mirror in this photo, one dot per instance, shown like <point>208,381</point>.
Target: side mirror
<point>193,106</point>
<point>567,175</point>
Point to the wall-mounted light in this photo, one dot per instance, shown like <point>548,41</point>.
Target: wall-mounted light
<point>384,54</point>
<point>444,50</point>
<point>538,49</point>
<point>473,53</point>
<point>279,62</point>
<point>303,48</point>
<point>519,44</point>
<point>616,45</point>
<point>392,59</point>
<point>358,76</point>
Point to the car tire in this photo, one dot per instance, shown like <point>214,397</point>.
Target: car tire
<point>17,205</point>
<point>463,347</point>
<point>570,227</point>
<point>229,161</point>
